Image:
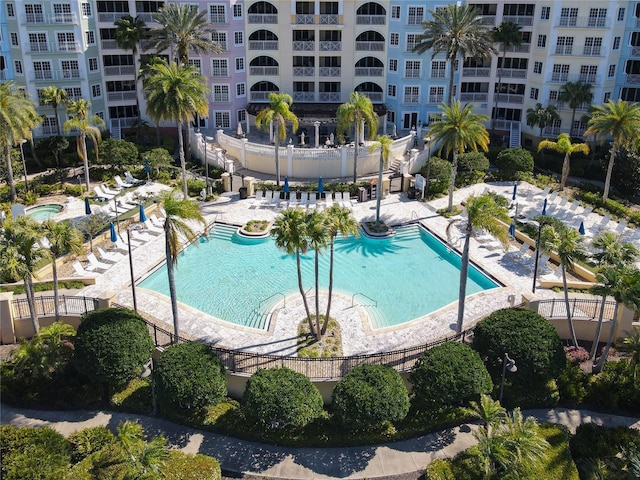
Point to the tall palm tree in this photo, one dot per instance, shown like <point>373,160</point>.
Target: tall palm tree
<point>631,345</point>
<point>88,126</point>
<point>575,94</point>
<point>459,130</point>
<point>622,282</point>
<point>384,143</point>
<point>290,234</point>
<point>318,240</point>
<point>619,120</point>
<point>542,117</point>
<point>20,255</point>
<point>339,220</point>
<point>457,31</point>
<point>17,117</point>
<point>54,96</point>
<point>130,32</point>
<point>564,146</point>
<point>176,93</point>
<point>177,230</point>
<point>509,35</point>
<point>64,238</point>
<point>483,213</point>
<point>278,114</point>
<point>356,112</point>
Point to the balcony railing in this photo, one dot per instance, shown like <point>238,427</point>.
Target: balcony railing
<point>635,51</point>
<point>305,19</point>
<point>53,47</point>
<point>330,71</point>
<point>330,46</point>
<point>111,17</point>
<point>119,70</point>
<point>259,71</point>
<point>473,97</point>
<point>556,103</point>
<point>370,46</point>
<point>373,96</point>
<point>109,44</point>
<point>514,73</point>
<point>584,22</point>
<point>34,18</point>
<point>436,98</point>
<point>473,72</point>
<point>558,77</point>
<point>369,71</point>
<point>67,47</point>
<point>55,18</point>
<point>59,18</point>
<point>510,98</point>
<point>304,96</point>
<point>121,96</point>
<point>563,50</point>
<point>488,19</point>
<point>259,96</point>
<point>219,72</point>
<point>632,78</point>
<point>263,45</point>
<point>524,20</point>
<point>221,98</point>
<point>591,50</point>
<point>412,73</point>
<point>304,71</point>
<point>218,19</point>
<point>371,19</point>
<point>329,19</point>
<point>304,46</point>
<point>438,73</point>
<point>47,75</point>
<point>411,99</point>
<point>147,17</point>
<point>269,18</point>
<point>501,124</point>
<point>522,48</point>
<point>329,97</point>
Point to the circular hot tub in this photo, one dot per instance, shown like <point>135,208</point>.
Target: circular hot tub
<point>41,213</point>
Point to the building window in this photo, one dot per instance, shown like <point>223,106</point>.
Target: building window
<point>412,68</point>
<point>242,115</point>
<point>621,14</point>
<point>411,95</point>
<point>91,37</point>
<point>195,63</point>
<point>597,17</point>
<point>391,91</point>
<point>436,94</point>
<point>394,39</point>
<point>217,14</point>
<point>616,42</point>
<point>70,69</point>
<point>221,39</point>
<point>240,64</point>
<point>411,41</point>
<point>588,73</point>
<point>86,9</point>
<point>533,94</point>
<point>222,119</point>
<point>606,97</point>
<point>416,14</point>
<point>612,71</point>
<point>434,117</point>
<point>568,17</point>
<point>238,38</point>
<point>219,67</point>
<point>14,39</point>
<point>221,93</point>
<point>544,13</point>
<point>11,12</point>
<point>241,90</point>
<point>18,67</point>
<point>237,10</point>
<point>42,70</point>
<point>438,69</point>
<point>93,64</point>
<point>592,46</point>
<point>564,46</point>
<point>96,91</point>
<point>393,65</point>
<point>560,73</point>
<point>395,12</point>
<point>391,116</point>
<point>542,41</point>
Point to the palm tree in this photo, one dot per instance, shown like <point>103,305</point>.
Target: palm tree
<point>20,255</point>
<point>64,238</point>
<point>54,96</point>
<point>356,112</point>
<point>176,231</point>
<point>619,120</point>
<point>318,240</point>
<point>483,213</point>
<point>631,345</point>
<point>488,410</point>
<point>459,130</point>
<point>622,282</point>
<point>278,114</point>
<point>564,145</point>
<point>17,117</point>
<point>458,31</point>
<point>87,126</point>
<point>508,34</point>
<point>144,459</point>
<point>290,234</point>
<point>339,220</point>
<point>542,116</point>
<point>575,94</point>
<point>384,142</point>
<point>176,93</point>
<point>130,31</point>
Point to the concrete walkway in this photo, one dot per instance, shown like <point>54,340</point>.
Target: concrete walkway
<point>398,459</point>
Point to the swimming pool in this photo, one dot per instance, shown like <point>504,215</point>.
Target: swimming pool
<point>408,276</point>
<point>41,213</point>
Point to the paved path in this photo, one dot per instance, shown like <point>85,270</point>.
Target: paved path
<point>250,458</point>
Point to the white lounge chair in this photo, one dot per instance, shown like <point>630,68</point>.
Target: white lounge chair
<point>79,271</point>
<point>266,200</point>
<point>101,194</point>
<point>95,264</point>
<point>524,250</point>
<point>258,200</point>
<point>346,200</point>
<point>328,199</point>
<point>130,179</point>
<point>313,200</point>
<point>552,198</point>
<point>158,222</point>
<point>107,190</point>
<point>123,247</point>
<point>304,199</point>
<point>113,257</point>
<point>275,201</point>
<point>151,228</point>
<point>122,184</point>
<point>293,200</point>
<point>141,237</point>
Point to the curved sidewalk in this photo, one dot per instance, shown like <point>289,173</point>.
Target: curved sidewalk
<point>398,459</point>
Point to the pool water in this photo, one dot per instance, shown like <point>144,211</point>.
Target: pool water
<point>44,212</point>
<point>405,277</point>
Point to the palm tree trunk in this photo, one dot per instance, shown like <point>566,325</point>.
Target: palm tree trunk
<point>187,135</point>
<point>276,141</point>
<point>28,290</point>
<point>326,316</point>
<point>55,112</point>
<point>572,332</point>
<point>454,171</point>
<point>317,285</point>
<point>573,118</point>
<point>183,165</point>
<point>495,100</point>
<point>464,270</point>
<point>83,145</point>
<point>135,69</point>
<point>355,150</point>
<point>172,285</point>
<point>379,190</point>
<point>33,151</point>
<point>10,181</point>
<point>565,171</point>
<point>55,288</point>
<point>452,66</point>
<point>607,181</point>
<point>304,295</point>
<point>596,339</point>
<point>614,323</point>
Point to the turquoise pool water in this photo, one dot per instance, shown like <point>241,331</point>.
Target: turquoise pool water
<point>408,276</point>
<point>44,212</point>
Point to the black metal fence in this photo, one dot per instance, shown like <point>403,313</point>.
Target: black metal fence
<point>45,306</point>
<point>580,308</point>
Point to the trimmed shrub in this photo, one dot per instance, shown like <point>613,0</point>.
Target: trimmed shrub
<point>527,337</point>
<point>449,374</point>
<point>280,397</point>
<point>439,175</point>
<point>189,375</point>
<point>182,466</point>
<point>514,160</point>
<point>370,395</point>
<point>614,388</point>
<point>472,167</point>
<point>439,469</point>
<point>89,440</point>
<point>112,345</point>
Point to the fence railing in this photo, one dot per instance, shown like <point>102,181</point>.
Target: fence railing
<point>580,308</point>
<point>45,305</point>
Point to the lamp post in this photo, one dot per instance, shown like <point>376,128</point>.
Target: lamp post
<point>147,371</point>
<point>115,203</point>
<point>428,140</point>
<point>133,279</point>
<point>535,267</point>
<point>507,364</point>
<point>206,165</point>
<point>22,141</point>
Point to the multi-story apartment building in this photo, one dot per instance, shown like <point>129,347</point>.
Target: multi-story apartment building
<point>320,51</point>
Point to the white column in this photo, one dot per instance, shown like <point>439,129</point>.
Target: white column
<point>271,131</point>
<point>343,169</point>
<point>317,126</point>
<point>243,159</point>
<point>361,139</point>
<point>289,160</point>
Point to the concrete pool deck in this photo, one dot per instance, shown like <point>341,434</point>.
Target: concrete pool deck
<point>357,337</point>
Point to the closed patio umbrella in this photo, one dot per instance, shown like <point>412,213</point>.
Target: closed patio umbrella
<point>581,228</point>
<point>320,185</point>
<point>544,207</point>
<point>113,234</point>
<point>512,230</point>
<point>286,187</point>
<point>143,217</point>
<point>515,191</point>
<point>87,207</point>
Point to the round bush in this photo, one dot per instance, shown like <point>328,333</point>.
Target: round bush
<point>112,345</point>
<point>182,466</point>
<point>449,374</point>
<point>370,395</point>
<point>280,397</point>
<point>439,175</point>
<point>529,339</point>
<point>89,440</point>
<point>189,375</point>
<point>514,160</point>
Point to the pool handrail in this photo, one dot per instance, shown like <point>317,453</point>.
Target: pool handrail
<point>284,299</point>
<point>375,303</point>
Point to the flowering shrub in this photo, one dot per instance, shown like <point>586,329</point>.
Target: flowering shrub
<point>577,354</point>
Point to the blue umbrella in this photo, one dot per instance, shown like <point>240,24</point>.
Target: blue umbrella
<point>112,231</point>
<point>143,217</point>
<point>544,207</point>
<point>581,228</point>
<point>320,185</point>
<point>286,184</point>
<point>512,230</point>
<point>147,169</point>
<point>515,191</point>
<point>87,207</point>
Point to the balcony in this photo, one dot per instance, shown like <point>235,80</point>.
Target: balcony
<point>305,19</point>
<point>524,20</point>
<point>263,71</point>
<point>436,98</point>
<point>474,72</point>
<point>45,131</point>
<point>34,18</point>
<point>268,18</point>
<point>563,50</point>
<point>259,96</point>
<point>330,72</point>
<point>116,70</point>
<point>632,79</point>
<point>59,18</point>
<point>304,71</point>
<point>370,46</point>
<point>111,17</point>
<point>330,46</point>
<point>304,46</point>
<point>412,73</point>
<point>369,71</point>
<point>51,47</point>
<point>121,96</point>
<point>510,98</point>
<point>501,124</point>
<point>635,51</point>
<point>263,45</point>
<point>522,48</point>
<point>513,73</point>
<point>373,96</point>
<point>329,19</point>
<point>48,75</point>
<point>109,44</point>
<point>473,97</point>
<point>371,19</point>
<point>584,22</point>
<point>413,98</point>
<point>590,50</point>
<point>329,96</point>
<point>56,18</point>
<point>219,72</point>
<point>556,103</point>
<point>147,17</point>
<point>304,97</point>
<point>488,19</point>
